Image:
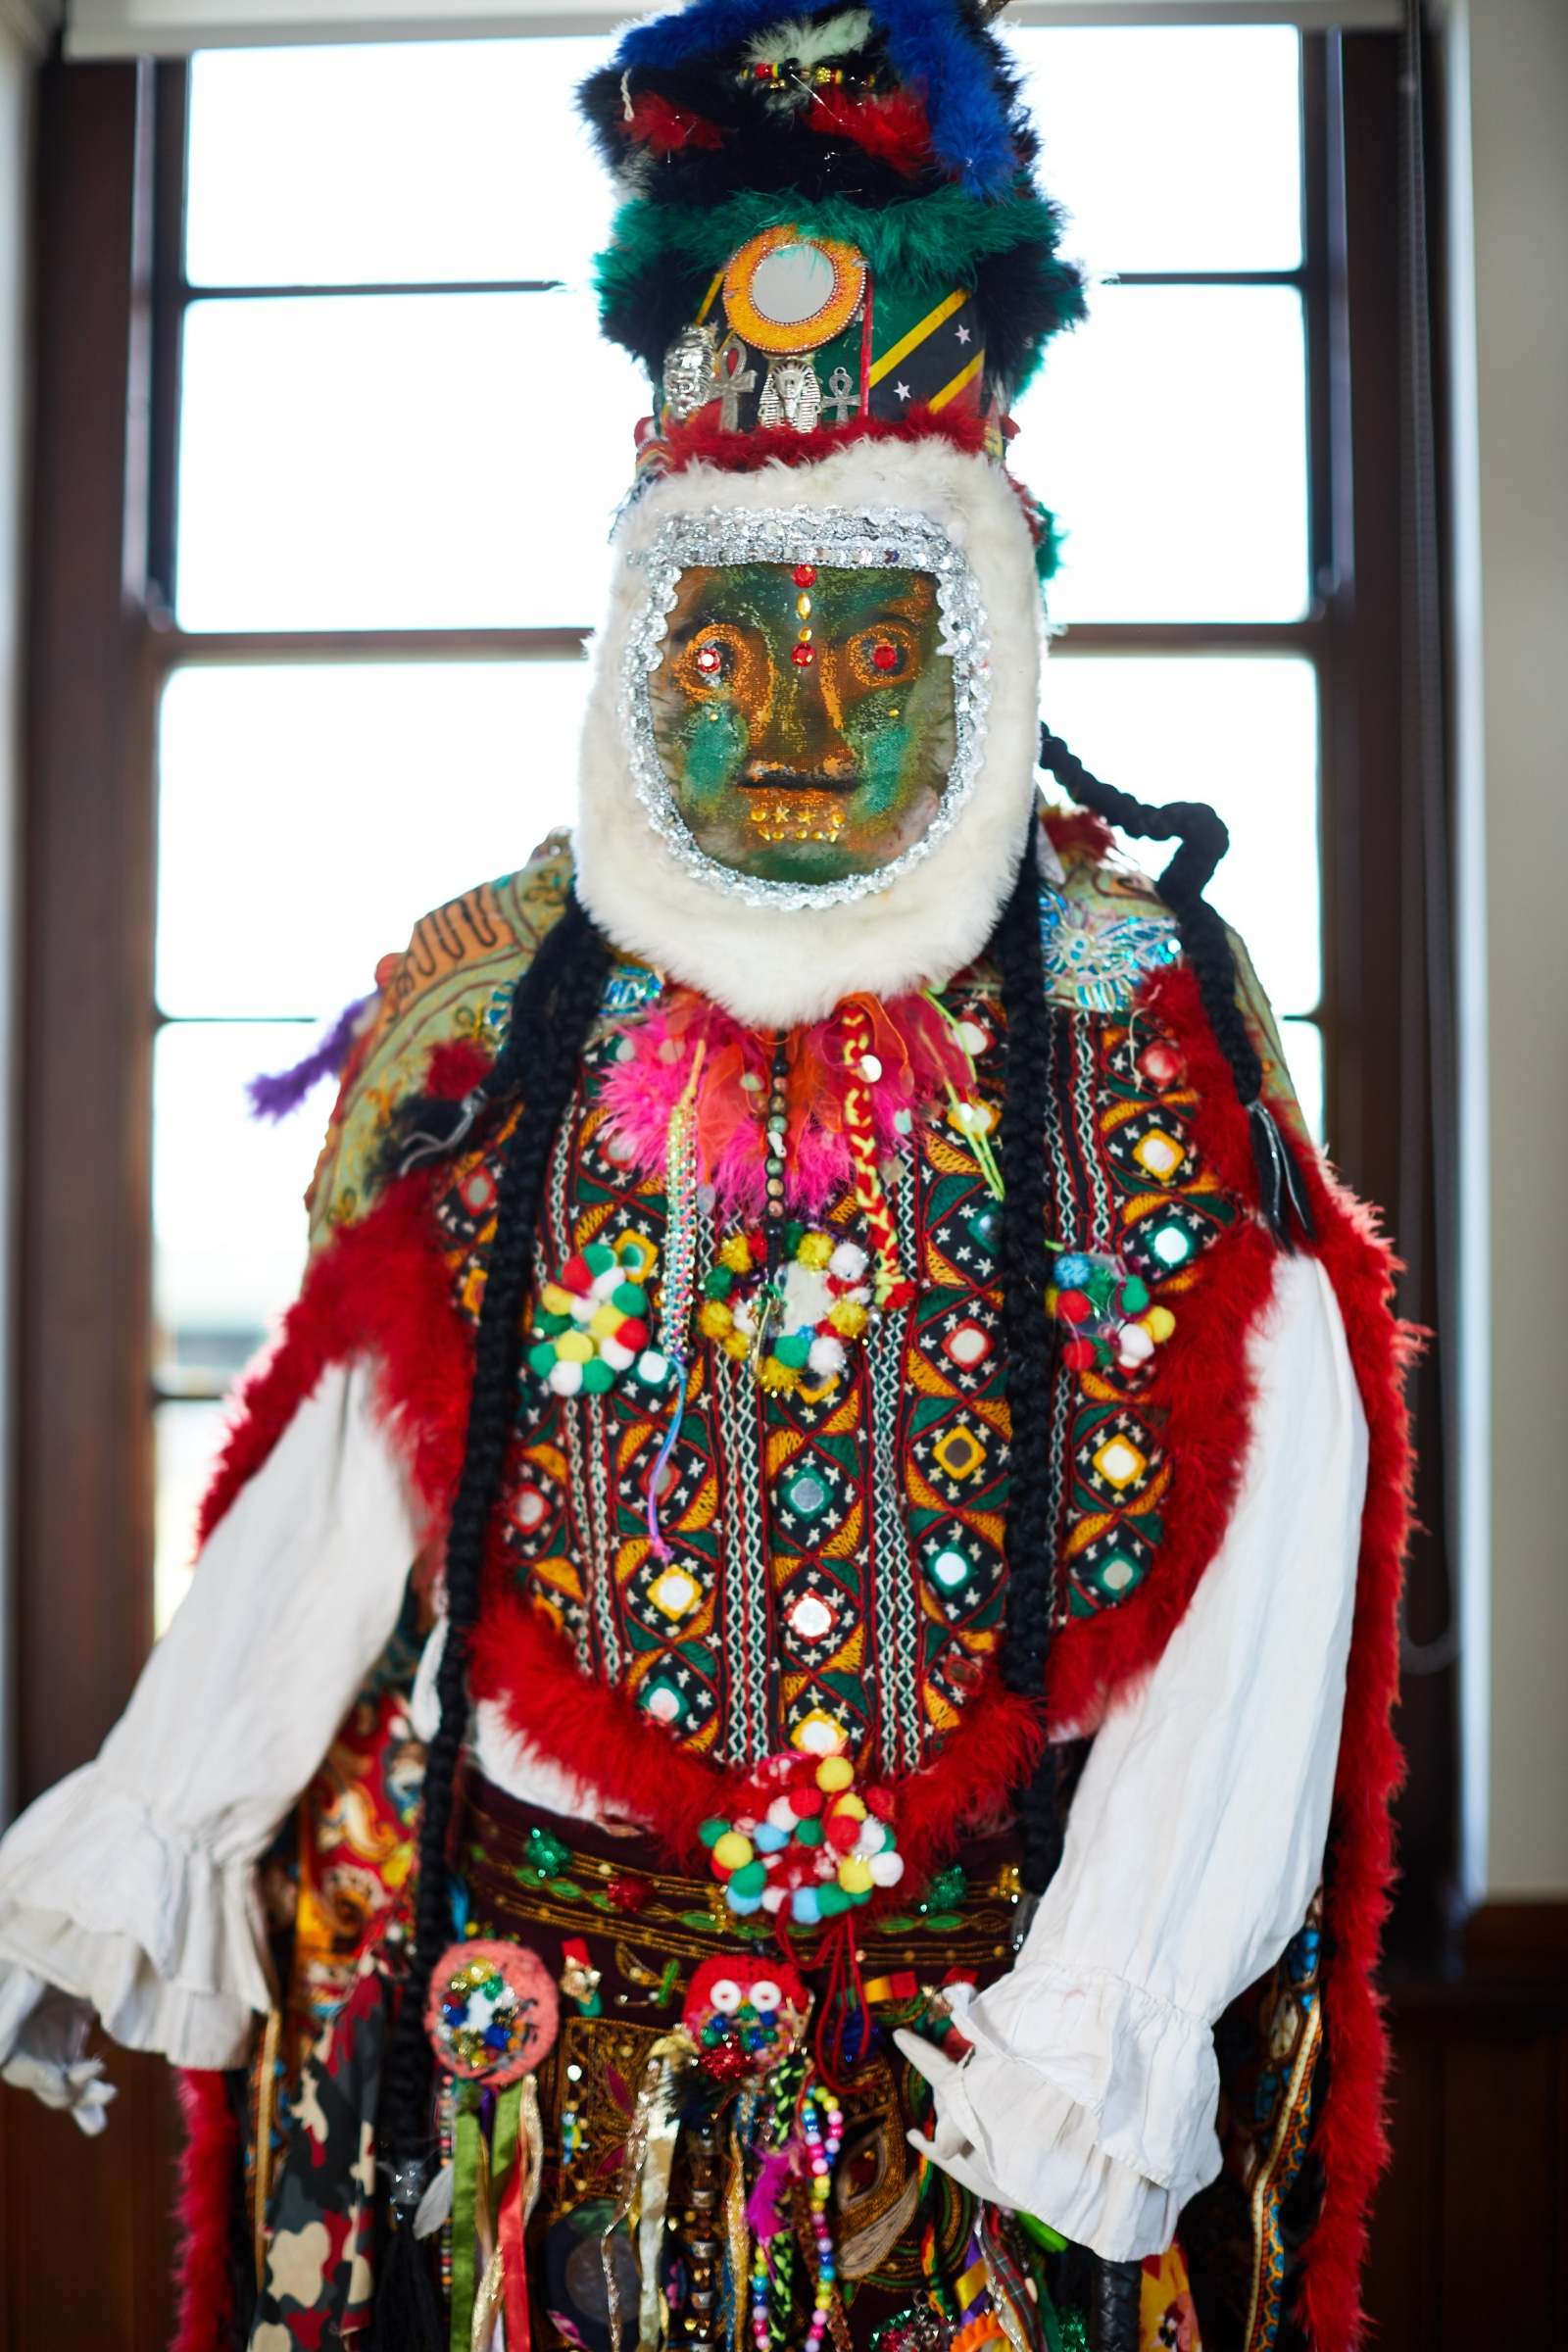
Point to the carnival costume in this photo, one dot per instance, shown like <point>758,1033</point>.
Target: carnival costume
<point>782,1728</point>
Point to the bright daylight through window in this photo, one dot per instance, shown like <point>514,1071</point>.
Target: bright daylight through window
<point>447,457</point>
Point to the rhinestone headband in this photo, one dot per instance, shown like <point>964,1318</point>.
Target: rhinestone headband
<point>873,538</point>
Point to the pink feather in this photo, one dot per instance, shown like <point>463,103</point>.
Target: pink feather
<point>772,2185</point>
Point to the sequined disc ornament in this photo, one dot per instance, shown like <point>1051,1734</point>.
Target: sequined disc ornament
<point>492,2013</point>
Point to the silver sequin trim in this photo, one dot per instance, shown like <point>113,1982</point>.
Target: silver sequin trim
<point>875,538</point>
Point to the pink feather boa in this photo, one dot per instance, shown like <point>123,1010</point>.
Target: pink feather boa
<point>919,1055</point>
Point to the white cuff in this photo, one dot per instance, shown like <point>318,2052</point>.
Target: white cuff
<point>1018,2141</point>
<point>158,1935</point>
<point>1144,2069</point>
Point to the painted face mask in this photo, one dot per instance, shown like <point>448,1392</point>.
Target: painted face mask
<point>804,716</point>
<point>805,698</point>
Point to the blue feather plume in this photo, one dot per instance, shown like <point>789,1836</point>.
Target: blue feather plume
<point>932,50</point>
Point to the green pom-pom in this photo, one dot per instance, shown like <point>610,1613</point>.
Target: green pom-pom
<point>809,1832</point>
<point>597,1377</point>
<point>1133,1296</point>
<point>794,1351</point>
<point>712,1831</point>
<point>552,1325</point>
<point>749,1879</point>
<point>598,1259</point>
<point>831,1899</point>
<point>542,1360</point>
<point>718,1283</point>
<point>629,1300</point>
<point>793,1236</point>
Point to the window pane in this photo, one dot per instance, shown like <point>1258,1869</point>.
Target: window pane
<point>1239,733</point>
<point>398,461</point>
<point>308,816</point>
<point>1303,1051</point>
<point>1168,436</point>
<point>416,161</point>
<point>228,1216</point>
<point>1171,147</point>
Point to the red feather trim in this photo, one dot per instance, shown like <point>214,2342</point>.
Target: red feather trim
<point>893,128</point>
<point>1351,2136</point>
<point>654,123</point>
<point>698,438</point>
<point>208,2171</point>
<point>378,1292</point>
<point>520,1663</point>
<point>1079,829</point>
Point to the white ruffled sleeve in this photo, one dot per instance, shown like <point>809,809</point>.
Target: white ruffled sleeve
<point>131,1883</point>
<point>1193,1845</point>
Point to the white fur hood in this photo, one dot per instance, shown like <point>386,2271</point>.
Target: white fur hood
<point>773,967</point>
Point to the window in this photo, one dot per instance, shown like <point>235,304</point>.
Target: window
<point>394,430</point>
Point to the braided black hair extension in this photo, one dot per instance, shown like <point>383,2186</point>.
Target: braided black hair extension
<point>1016,950</point>
<point>1204,843</point>
<point>551,1015</point>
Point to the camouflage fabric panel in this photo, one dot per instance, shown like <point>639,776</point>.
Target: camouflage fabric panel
<point>452,982</point>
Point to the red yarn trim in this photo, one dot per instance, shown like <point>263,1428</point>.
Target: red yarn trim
<point>203,2205</point>
<point>700,439</point>
<point>1078,829</point>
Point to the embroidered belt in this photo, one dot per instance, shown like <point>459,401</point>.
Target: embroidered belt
<point>539,1879</point>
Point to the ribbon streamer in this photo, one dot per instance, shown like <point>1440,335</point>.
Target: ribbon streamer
<point>467,2146</point>
<point>652,2094</point>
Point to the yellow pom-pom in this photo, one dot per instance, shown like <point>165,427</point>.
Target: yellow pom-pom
<point>736,1253</point>
<point>852,1805</point>
<point>848,1318</point>
<point>855,1876</point>
<point>1159,1322</point>
<point>834,1772</point>
<point>1051,1296</point>
<point>815,1250</point>
<point>732,1851</point>
<point>738,1345</point>
<point>605,1321</point>
<point>771,1374</point>
<point>575,1347</point>
<point>555,1300</point>
<point>714,1319</point>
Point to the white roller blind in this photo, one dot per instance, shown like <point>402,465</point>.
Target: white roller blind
<point>173,28</point>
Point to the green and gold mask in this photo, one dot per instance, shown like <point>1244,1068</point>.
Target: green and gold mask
<point>804,716</point>
<point>805,698</point>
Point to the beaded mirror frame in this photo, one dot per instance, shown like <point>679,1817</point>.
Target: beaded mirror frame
<point>871,538</point>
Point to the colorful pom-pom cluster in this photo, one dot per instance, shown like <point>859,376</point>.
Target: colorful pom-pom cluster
<point>803,1835</point>
<point>743,2017</point>
<point>591,1326</point>
<point>493,2011</point>
<point>820,1307</point>
<point>1110,1319</point>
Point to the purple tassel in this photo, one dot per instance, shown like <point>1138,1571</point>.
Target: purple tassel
<point>274,1097</point>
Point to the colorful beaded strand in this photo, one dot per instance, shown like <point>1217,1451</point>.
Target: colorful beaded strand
<point>680,1280</point>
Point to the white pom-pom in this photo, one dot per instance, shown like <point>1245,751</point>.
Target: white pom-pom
<point>886,1869</point>
<point>825,1355</point>
<point>847,1261</point>
<point>1135,1345</point>
<point>873,1839</point>
<point>781,1813</point>
<point>617,1357</point>
<point>565,1379</point>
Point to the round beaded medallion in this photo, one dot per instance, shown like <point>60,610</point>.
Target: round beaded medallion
<point>493,2011</point>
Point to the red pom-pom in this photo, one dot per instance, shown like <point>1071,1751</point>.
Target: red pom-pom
<point>576,1275</point>
<point>880,1802</point>
<point>1072,1306</point>
<point>807,1801</point>
<point>841,1832</point>
<point>1078,1356</point>
<point>633,1333</point>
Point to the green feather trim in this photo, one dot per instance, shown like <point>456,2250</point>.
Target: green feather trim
<point>931,244</point>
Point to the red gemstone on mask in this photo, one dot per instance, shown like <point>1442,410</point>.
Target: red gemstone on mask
<point>802,656</point>
<point>884,655</point>
<point>804,575</point>
<point>709,657</point>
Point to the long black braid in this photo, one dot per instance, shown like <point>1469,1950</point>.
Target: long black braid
<point>1206,945</point>
<point>551,1016</point>
<point>1016,950</point>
